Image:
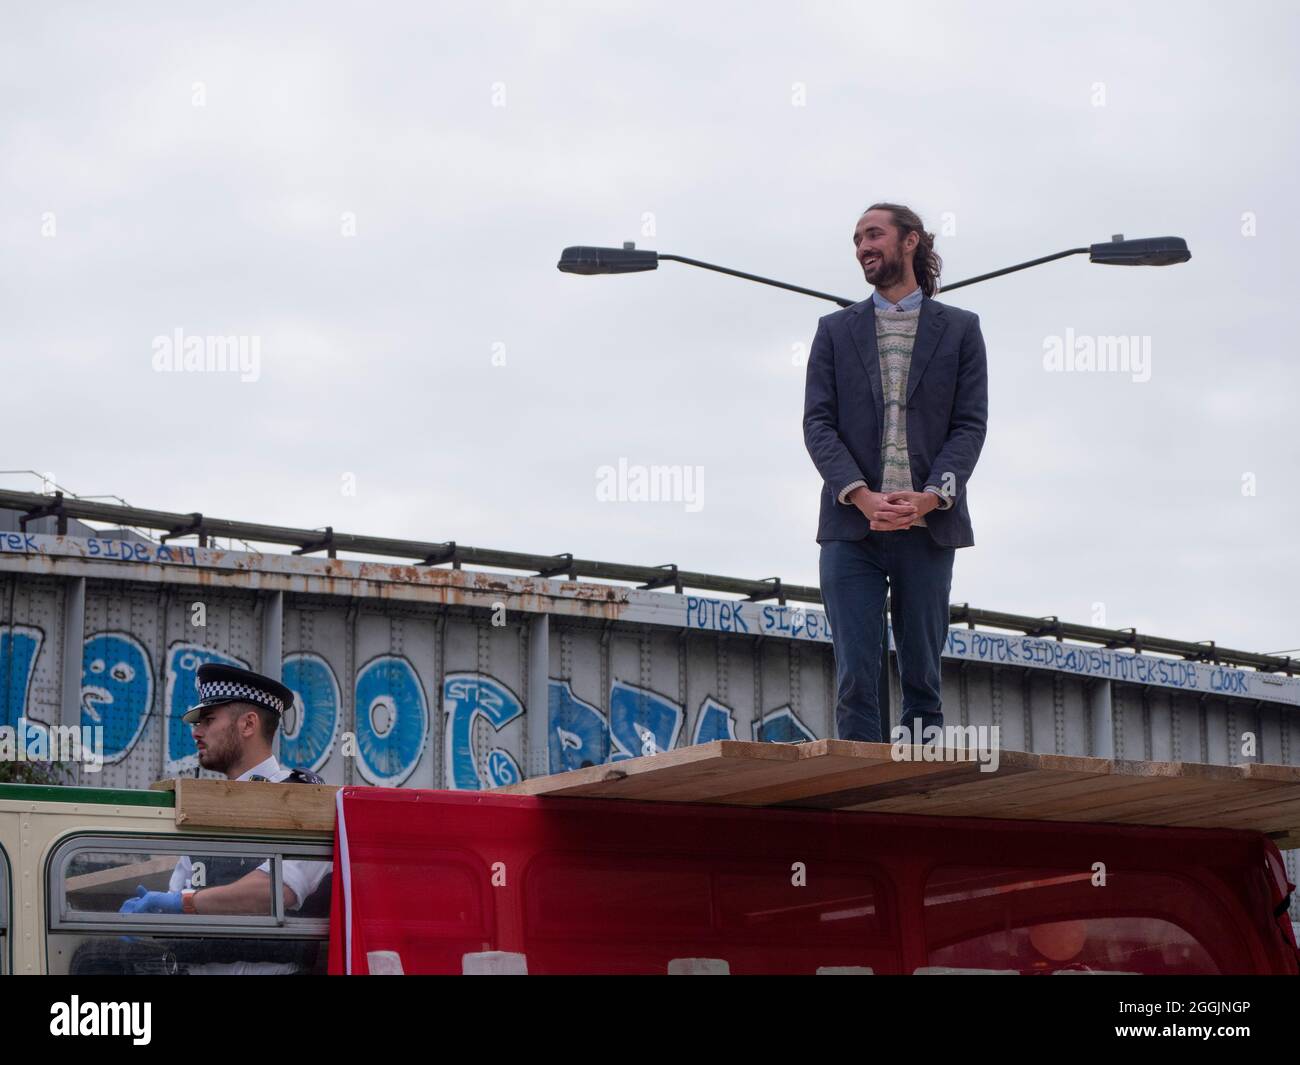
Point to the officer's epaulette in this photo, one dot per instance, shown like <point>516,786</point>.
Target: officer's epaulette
<point>302,776</point>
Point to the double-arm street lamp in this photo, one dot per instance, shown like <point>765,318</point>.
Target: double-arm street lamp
<point>629,259</point>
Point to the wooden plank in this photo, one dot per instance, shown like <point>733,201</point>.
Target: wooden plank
<point>684,769</point>
<point>202,803</point>
<point>821,766</point>
<point>1022,785</point>
<point>1278,808</point>
<point>1264,816</point>
<point>998,798</point>
<point>716,783</point>
<point>842,775</point>
<point>1153,789</point>
<point>1282,774</point>
<point>1240,800</point>
<point>921,781</point>
<point>1059,779</point>
<point>807,781</point>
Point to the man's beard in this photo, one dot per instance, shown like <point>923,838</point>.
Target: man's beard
<point>889,272</point>
<point>219,756</point>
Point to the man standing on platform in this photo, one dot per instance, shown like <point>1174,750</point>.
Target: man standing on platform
<point>895,412</point>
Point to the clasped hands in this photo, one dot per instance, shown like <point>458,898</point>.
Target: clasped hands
<point>891,511</point>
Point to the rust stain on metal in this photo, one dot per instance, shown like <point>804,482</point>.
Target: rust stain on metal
<point>222,568</point>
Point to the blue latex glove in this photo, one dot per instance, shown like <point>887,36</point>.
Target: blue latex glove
<point>146,901</point>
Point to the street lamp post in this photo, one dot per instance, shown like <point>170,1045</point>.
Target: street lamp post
<point>629,259</point>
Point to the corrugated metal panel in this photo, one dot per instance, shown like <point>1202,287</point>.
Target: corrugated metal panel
<point>425,672</point>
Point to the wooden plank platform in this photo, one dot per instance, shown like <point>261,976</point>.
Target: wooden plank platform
<point>206,803</point>
<point>845,775</point>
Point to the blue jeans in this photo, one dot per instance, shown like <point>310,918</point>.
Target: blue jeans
<point>855,576</point>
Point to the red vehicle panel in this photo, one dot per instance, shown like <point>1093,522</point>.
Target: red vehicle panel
<point>609,886</point>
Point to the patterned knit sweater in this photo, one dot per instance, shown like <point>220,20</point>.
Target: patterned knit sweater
<point>895,336</point>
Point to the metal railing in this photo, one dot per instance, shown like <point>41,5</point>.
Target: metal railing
<point>61,508</point>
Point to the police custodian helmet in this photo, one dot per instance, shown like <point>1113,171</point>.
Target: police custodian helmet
<point>220,684</point>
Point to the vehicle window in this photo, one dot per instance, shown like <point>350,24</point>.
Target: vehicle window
<point>115,907</point>
<point>1048,921</point>
<point>105,881</point>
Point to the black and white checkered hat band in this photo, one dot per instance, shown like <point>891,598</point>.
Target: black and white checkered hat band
<point>227,689</point>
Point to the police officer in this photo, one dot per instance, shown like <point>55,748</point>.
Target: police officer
<point>234,724</point>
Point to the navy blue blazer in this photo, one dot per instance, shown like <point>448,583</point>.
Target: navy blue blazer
<point>947,414</point>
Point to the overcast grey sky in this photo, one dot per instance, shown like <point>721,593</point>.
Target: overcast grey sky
<point>379,193</point>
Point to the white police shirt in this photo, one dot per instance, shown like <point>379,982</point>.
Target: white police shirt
<point>302,878</point>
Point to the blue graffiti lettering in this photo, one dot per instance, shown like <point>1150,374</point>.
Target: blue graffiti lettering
<point>130,551</point>
<point>715,722</point>
<point>577,734</point>
<point>392,720</point>
<point>797,623</point>
<point>641,721</point>
<point>717,614</point>
<point>502,768</point>
<point>782,726</point>
<point>116,690</point>
<point>316,707</point>
<point>1229,680</point>
<point>467,697</point>
<point>19,647</point>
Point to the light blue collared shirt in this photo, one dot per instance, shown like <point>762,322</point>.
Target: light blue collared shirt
<point>908,303</point>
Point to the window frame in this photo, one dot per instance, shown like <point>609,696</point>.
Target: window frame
<point>278,923</point>
<point>1212,950</point>
<point>6,913</point>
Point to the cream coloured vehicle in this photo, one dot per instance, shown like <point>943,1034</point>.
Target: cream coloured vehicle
<point>70,856</point>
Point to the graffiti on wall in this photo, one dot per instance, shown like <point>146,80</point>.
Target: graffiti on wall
<point>467,699</point>
<point>116,690</point>
<point>392,720</point>
<point>20,646</point>
<point>120,685</point>
<point>311,728</point>
<point>577,732</point>
<point>999,649</point>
